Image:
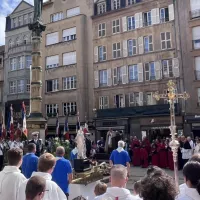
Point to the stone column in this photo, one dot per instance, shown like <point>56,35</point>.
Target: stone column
<point>36,122</point>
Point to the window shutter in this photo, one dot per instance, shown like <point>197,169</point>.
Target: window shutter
<point>125,52</point>
<point>69,58</point>
<point>171,12</point>
<point>96,79</point>
<point>70,31</point>
<point>141,98</point>
<point>140,72</point>
<point>73,12</point>
<point>52,38</point>
<point>131,99</point>
<point>137,20</point>
<point>176,71</point>
<point>140,45</point>
<point>197,64</point>
<point>115,101</point>
<point>96,54</point>
<point>157,16</point>
<point>115,76</point>
<point>124,24</point>
<point>158,70</point>
<point>109,77</point>
<point>153,16</point>
<point>124,75</point>
<point>141,19</point>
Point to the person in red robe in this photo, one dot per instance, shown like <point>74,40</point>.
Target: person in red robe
<point>135,146</point>
<point>170,160</point>
<point>144,157</point>
<point>147,145</point>
<point>162,153</point>
<point>154,155</point>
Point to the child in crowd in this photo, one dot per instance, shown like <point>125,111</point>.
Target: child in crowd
<point>136,189</point>
<point>100,189</point>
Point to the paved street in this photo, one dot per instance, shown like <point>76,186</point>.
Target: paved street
<point>138,172</point>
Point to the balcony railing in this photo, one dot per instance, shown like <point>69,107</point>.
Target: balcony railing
<point>197,75</point>
<point>196,43</point>
<point>195,14</point>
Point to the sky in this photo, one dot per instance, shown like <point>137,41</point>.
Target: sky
<point>6,7</point>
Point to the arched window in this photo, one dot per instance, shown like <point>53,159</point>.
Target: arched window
<point>26,39</point>
<point>116,4</point>
<point>101,8</point>
<point>18,41</point>
<point>11,44</point>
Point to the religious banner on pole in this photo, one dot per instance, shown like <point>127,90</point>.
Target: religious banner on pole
<point>78,123</point>
<point>66,128</point>
<point>57,126</point>
<point>24,128</point>
<point>10,125</point>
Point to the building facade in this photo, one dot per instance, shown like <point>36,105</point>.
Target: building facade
<point>18,50</point>
<point>189,23</point>
<point>67,63</point>
<point>136,52</point>
<point>2,51</point>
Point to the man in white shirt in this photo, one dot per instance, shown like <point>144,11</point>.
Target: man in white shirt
<point>118,185</point>
<point>46,165</point>
<point>11,177</point>
<point>16,144</point>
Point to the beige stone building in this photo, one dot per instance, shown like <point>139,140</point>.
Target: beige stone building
<point>189,23</point>
<point>67,62</point>
<point>136,52</point>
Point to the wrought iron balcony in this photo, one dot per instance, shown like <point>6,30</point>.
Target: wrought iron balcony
<point>195,13</point>
<point>153,110</point>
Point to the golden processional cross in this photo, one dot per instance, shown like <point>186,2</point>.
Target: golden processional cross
<point>172,96</point>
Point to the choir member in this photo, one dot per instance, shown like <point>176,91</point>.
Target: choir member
<point>135,146</point>
<point>162,152</point>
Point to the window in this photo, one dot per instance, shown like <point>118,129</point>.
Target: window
<point>69,108</point>
<point>103,102</point>
<point>30,17</point>
<point>51,110</point>
<point>14,22</point>
<point>149,71</point>
<point>195,8</point>
<point>134,99</point>
<point>26,19</point>
<point>0,61</point>
<point>12,87</point>
<point>133,73</point>
<point>167,68</point>
<point>132,47</point>
<point>197,67</point>
<point>148,44</point>
<point>52,38</point>
<point>102,53</point>
<point>69,83</point>
<point>102,29</point>
<point>18,41</point>
<point>150,100</point>
<point>130,2</point>
<point>103,78</point>
<point>119,101</point>
<point>164,15</point>
<point>69,34</point>
<point>116,50</point>
<point>73,12</point>
<point>131,23</point>
<point>28,86</point>
<point>52,85</point>
<point>116,26</point>
<point>26,39</point>
<point>20,21</point>
<point>196,37</point>
<point>11,44</point>
<point>165,40</point>
<point>28,61</point>
<point>13,64</point>
<point>52,62</point>
<point>101,8</point>
<point>115,4</point>
<point>147,18</point>
<point>20,86</point>
<point>118,75</point>
<point>69,58</point>
<point>56,17</point>
<point>21,62</point>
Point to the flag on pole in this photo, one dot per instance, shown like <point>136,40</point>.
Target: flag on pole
<point>66,128</point>
<point>10,125</point>
<point>18,132</point>
<point>57,126</point>
<point>24,129</point>
<point>3,126</point>
<point>85,130</point>
<point>78,123</point>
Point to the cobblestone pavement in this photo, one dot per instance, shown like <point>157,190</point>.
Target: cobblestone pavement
<point>137,173</point>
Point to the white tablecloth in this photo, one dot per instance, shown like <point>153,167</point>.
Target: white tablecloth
<point>86,191</point>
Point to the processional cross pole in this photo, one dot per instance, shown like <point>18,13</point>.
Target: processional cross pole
<point>172,96</point>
